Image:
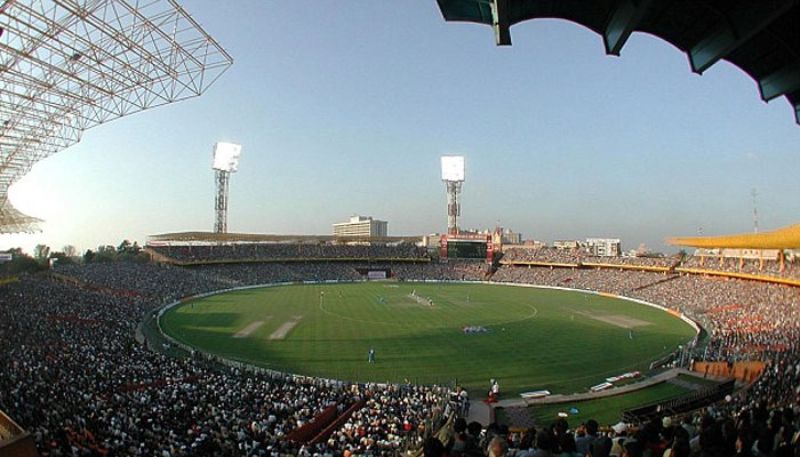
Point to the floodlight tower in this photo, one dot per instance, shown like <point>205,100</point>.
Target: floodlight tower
<point>225,162</point>
<point>453,177</point>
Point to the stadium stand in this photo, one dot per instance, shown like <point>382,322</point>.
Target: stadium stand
<point>572,258</point>
<point>76,378</point>
<point>756,256</point>
<point>283,252</point>
<point>96,391</point>
<point>765,269</point>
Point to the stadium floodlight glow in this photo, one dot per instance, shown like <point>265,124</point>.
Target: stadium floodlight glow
<point>225,161</point>
<point>226,156</point>
<point>452,168</point>
<point>67,66</point>
<point>453,177</point>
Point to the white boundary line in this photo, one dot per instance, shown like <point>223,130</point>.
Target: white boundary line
<point>225,360</point>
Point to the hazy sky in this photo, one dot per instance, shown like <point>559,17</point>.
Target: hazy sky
<point>345,107</point>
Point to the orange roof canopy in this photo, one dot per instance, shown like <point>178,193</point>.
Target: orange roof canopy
<point>783,238</point>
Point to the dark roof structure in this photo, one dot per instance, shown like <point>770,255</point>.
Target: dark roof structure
<point>761,37</point>
<point>214,237</point>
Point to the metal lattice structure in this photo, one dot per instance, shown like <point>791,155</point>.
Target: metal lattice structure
<point>69,65</point>
<point>222,179</point>
<point>453,206</point>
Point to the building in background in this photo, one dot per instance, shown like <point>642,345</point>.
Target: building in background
<point>604,247</point>
<point>361,226</point>
<point>566,244</point>
<point>534,244</point>
<point>511,237</point>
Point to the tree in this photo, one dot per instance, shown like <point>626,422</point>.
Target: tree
<point>41,252</point>
<point>61,258</point>
<point>105,254</point>
<point>70,251</point>
<point>124,247</point>
<point>89,256</point>
<point>131,252</point>
<point>20,263</point>
<point>17,252</point>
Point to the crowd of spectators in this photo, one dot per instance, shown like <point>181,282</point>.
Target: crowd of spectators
<point>542,255</point>
<point>74,376</point>
<point>246,274</point>
<point>159,282</point>
<point>746,320</point>
<point>578,256</point>
<point>599,280</point>
<point>453,270</point>
<point>271,251</point>
<point>642,261</point>
<point>765,267</point>
<point>754,430</point>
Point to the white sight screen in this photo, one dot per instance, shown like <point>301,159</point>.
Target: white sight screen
<point>452,168</point>
<point>226,156</point>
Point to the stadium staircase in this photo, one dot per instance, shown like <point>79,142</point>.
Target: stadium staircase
<point>660,281</point>
<point>338,422</point>
<point>14,441</point>
<point>324,424</point>
<point>5,432</point>
<point>80,284</point>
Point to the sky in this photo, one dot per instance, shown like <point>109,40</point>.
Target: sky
<point>344,108</point>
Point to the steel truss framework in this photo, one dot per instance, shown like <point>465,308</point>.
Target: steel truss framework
<point>69,65</point>
<point>453,205</point>
<point>222,178</point>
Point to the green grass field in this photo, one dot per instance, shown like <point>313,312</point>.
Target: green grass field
<point>538,338</point>
<point>606,410</point>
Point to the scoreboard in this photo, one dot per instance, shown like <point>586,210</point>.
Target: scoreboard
<point>467,246</point>
<point>466,249</point>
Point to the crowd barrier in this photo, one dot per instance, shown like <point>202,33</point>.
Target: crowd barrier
<point>679,405</point>
<point>747,371</point>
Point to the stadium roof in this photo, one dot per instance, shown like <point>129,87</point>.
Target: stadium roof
<point>783,238</point>
<point>268,238</point>
<point>69,65</point>
<point>759,37</point>
<point>12,221</point>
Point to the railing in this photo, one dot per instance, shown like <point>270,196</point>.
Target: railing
<point>14,441</point>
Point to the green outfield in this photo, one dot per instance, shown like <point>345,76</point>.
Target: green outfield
<point>605,410</point>
<point>562,341</point>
